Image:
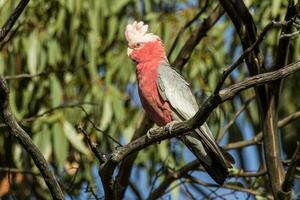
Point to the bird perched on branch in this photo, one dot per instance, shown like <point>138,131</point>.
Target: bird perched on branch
<point>166,97</point>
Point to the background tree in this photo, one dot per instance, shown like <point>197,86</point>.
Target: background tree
<point>72,86</point>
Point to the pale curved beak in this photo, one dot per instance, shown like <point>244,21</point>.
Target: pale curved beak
<point>129,50</point>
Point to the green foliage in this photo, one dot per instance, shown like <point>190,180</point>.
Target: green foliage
<point>80,49</point>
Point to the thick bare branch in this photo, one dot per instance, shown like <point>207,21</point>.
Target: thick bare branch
<point>12,124</point>
<point>196,165</point>
<point>211,103</point>
<point>200,117</point>
<point>123,177</point>
<point>27,143</point>
<point>267,96</point>
<point>271,143</point>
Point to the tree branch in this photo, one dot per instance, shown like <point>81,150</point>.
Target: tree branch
<point>12,19</point>
<point>196,165</point>
<point>188,24</point>
<point>261,36</point>
<point>289,176</point>
<point>27,143</point>
<point>235,116</point>
<point>266,96</point>
<point>12,124</point>
<point>230,187</point>
<point>200,117</point>
<point>270,137</point>
<point>99,155</point>
<point>258,137</point>
<point>15,170</point>
<point>170,177</point>
<point>123,177</point>
<point>184,172</point>
<point>186,51</point>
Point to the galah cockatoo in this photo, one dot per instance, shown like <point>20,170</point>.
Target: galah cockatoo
<point>166,97</point>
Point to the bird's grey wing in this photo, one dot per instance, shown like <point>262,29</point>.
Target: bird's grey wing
<point>174,89</point>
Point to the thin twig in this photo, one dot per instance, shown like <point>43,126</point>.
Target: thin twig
<point>98,129</point>
<point>8,39</point>
<point>242,173</point>
<point>183,172</point>
<point>12,19</point>
<point>71,105</point>
<point>188,24</point>
<point>235,116</point>
<point>290,35</point>
<point>26,76</point>
<point>199,118</point>
<point>188,191</point>
<point>135,190</point>
<point>15,170</point>
<point>187,49</point>
<point>229,186</point>
<point>37,75</point>
<point>100,156</point>
<point>228,70</point>
<point>292,168</point>
<point>51,110</point>
<point>258,137</point>
<point>91,190</point>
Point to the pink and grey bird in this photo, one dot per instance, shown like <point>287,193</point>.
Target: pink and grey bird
<point>166,97</point>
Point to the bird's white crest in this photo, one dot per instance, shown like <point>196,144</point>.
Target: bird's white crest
<point>137,32</point>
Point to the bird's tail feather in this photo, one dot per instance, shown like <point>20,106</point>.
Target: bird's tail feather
<point>215,161</point>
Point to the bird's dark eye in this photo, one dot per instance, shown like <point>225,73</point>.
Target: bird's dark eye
<point>137,45</point>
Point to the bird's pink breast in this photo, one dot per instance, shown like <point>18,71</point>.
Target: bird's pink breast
<point>156,108</point>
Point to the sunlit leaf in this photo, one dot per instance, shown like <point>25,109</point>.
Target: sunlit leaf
<point>56,91</point>
<point>33,53</point>
<point>74,138</point>
<point>112,28</point>
<point>275,7</point>
<point>106,114</point>
<point>60,144</point>
<point>43,141</point>
<point>117,5</point>
<point>54,53</point>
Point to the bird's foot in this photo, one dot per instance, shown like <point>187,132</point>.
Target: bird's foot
<point>150,132</point>
<point>169,126</point>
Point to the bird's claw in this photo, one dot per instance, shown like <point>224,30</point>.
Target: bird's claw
<point>169,126</point>
<point>150,132</point>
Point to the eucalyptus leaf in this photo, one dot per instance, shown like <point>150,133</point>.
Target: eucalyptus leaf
<point>33,53</point>
<point>42,140</point>
<point>74,138</point>
<point>56,91</point>
<point>60,144</point>
<point>107,114</point>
